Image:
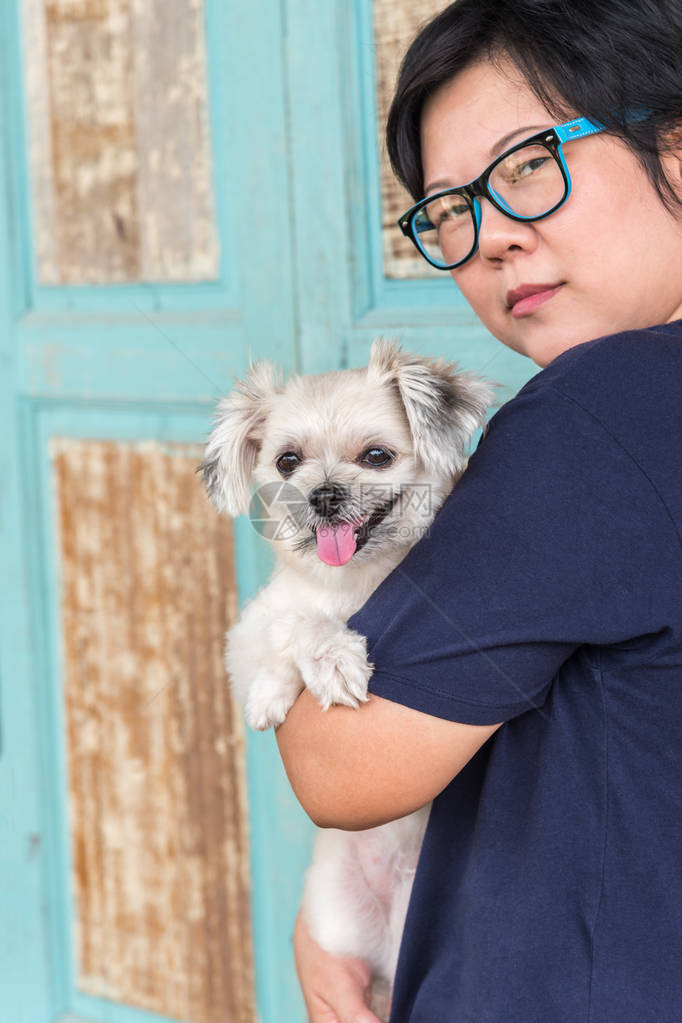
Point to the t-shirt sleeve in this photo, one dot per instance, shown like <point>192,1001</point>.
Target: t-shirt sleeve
<point>551,539</point>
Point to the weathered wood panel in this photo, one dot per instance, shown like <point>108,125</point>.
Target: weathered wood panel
<point>120,147</point>
<point>157,796</point>
<point>396,23</point>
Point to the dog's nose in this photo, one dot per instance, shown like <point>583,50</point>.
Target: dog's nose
<point>327,498</point>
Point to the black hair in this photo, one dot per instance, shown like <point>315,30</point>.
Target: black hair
<point>601,59</point>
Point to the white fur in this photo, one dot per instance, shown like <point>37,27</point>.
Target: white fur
<point>293,634</point>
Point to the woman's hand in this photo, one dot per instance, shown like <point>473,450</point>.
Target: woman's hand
<point>336,989</point>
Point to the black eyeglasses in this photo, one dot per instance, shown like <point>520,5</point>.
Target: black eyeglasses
<point>527,182</point>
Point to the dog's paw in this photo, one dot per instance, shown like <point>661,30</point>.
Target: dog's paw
<point>269,701</point>
<point>335,667</point>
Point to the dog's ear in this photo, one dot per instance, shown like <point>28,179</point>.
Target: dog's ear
<point>233,446</point>
<point>444,407</point>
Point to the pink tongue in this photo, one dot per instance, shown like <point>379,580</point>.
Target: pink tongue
<point>336,544</point>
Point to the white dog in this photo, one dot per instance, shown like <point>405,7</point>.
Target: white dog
<point>351,467</point>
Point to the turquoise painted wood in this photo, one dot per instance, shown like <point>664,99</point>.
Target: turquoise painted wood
<point>131,363</point>
<point>293,119</point>
<point>344,299</point>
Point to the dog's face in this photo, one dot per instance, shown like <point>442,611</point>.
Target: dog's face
<point>367,455</point>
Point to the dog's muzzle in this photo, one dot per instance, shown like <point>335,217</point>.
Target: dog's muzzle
<point>340,537</point>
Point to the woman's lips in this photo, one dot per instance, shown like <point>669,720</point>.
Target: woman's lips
<point>526,299</point>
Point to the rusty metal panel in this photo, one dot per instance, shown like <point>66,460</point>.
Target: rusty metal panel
<point>396,23</point>
<point>155,744</point>
<point>119,141</point>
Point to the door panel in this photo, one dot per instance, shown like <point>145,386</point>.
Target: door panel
<point>156,787</point>
<point>120,151</point>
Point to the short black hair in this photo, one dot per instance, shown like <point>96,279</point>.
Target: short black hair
<point>601,59</point>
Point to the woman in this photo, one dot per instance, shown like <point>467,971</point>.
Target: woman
<point>529,651</point>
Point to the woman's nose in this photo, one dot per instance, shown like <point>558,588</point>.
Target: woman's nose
<point>498,234</point>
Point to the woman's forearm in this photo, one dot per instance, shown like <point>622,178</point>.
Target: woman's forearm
<point>356,769</point>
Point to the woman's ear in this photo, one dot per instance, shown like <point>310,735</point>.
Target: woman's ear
<point>233,446</point>
<point>444,407</point>
<point>671,159</point>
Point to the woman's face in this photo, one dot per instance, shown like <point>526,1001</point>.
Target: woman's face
<point>612,250</point>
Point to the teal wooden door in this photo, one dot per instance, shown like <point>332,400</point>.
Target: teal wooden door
<point>148,871</point>
<point>184,186</point>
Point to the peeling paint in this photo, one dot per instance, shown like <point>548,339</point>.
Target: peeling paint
<point>157,800</point>
<point>120,146</point>
<point>396,23</point>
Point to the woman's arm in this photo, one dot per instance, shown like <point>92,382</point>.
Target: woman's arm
<point>356,769</point>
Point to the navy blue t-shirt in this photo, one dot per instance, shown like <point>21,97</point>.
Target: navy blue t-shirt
<point>548,595</point>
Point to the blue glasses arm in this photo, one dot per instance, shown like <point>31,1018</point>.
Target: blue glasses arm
<point>583,126</point>
<point>578,129</point>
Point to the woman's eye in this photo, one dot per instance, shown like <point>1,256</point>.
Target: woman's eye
<point>528,167</point>
<point>453,215</point>
<point>287,462</point>
<point>446,214</point>
<point>377,456</point>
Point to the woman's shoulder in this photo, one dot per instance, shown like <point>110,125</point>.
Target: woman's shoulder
<point>595,370</point>
<point>621,390</point>
<point>628,382</point>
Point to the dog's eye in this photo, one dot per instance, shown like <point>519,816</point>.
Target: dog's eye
<point>377,456</point>
<point>287,462</point>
